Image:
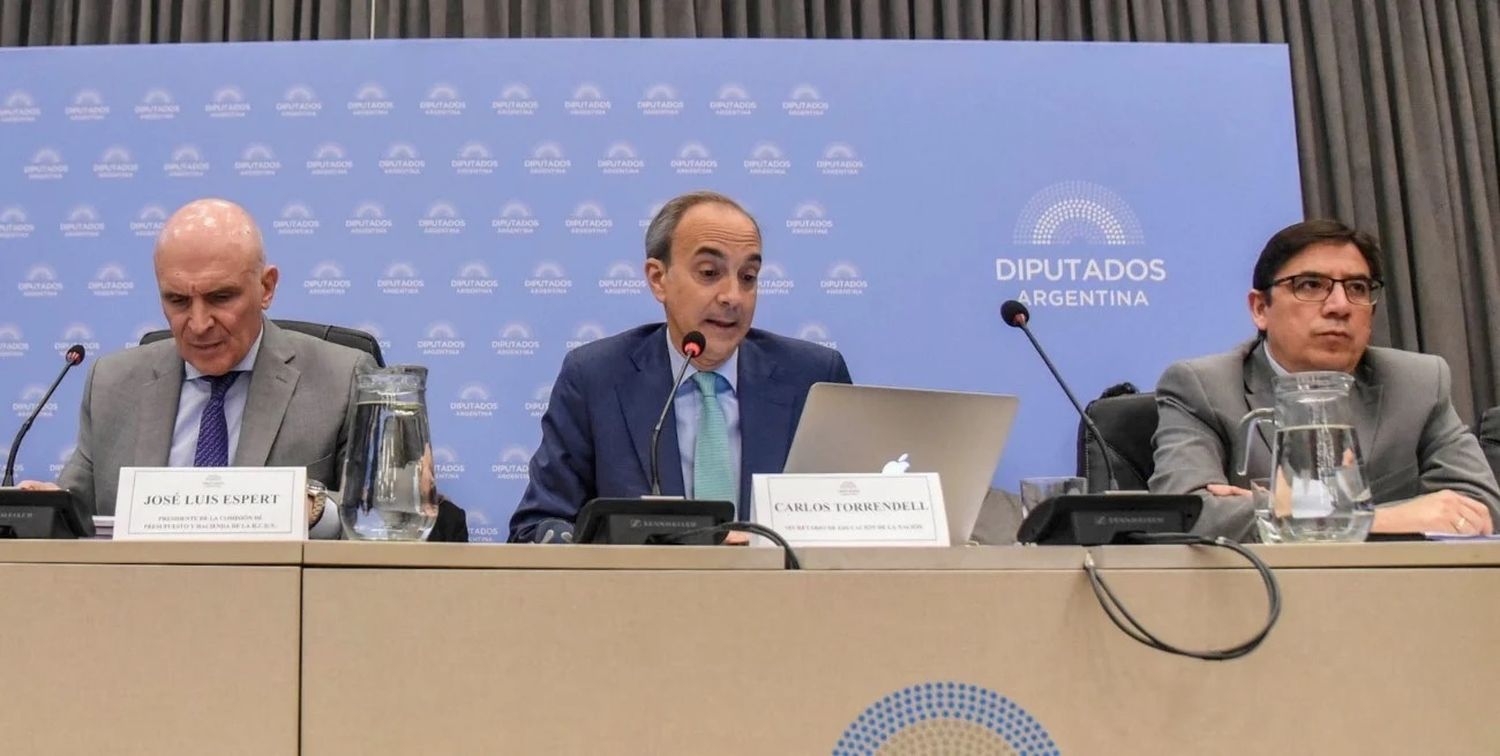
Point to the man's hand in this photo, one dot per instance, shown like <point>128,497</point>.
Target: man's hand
<point>737,538</point>
<point>1440,512</point>
<point>1224,489</point>
<point>37,485</point>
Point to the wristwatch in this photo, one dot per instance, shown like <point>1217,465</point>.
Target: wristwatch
<point>318,494</point>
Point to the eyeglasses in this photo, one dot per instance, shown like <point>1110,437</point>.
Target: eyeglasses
<point>1315,287</point>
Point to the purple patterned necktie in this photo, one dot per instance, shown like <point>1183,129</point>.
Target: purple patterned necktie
<point>213,429</point>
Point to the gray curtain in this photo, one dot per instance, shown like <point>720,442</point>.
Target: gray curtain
<point>1398,113</point>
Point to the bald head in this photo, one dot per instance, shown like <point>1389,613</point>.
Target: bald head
<point>214,281</point>
<point>211,226</point>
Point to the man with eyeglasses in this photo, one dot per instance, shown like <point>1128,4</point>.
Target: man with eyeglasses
<point>1313,296</point>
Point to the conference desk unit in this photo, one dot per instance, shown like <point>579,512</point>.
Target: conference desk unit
<point>450,648</point>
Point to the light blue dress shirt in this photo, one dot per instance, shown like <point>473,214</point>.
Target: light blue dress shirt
<point>195,393</point>
<point>688,405</point>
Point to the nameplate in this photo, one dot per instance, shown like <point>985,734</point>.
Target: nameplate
<point>211,504</point>
<point>853,510</point>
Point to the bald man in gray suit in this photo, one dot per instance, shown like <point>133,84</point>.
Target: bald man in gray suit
<point>1313,296</point>
<point>229,388</point>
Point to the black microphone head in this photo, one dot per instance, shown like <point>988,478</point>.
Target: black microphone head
<point>74,354</point>
<point>693,343</point>
<point>1014,313</point>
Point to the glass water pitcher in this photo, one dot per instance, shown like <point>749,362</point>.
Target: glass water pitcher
<point>389,491</point>
<point>1318,489</point>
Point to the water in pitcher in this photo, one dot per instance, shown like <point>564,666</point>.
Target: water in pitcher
<point>1318,491</point>
<point>388,489</point>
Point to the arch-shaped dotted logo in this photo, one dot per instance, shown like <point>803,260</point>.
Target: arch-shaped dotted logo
<point>945,718</point>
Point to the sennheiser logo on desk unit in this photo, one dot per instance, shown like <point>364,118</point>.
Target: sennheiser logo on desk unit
<point>1135,519</point>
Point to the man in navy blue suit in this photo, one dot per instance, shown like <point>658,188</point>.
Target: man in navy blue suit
<point>732,417</point>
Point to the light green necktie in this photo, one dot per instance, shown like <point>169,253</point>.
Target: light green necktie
<point>712,478</point>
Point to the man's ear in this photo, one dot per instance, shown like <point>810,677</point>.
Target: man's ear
<point>656,273</point>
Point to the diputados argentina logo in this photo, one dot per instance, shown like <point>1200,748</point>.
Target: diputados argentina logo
<point>1058,239</point>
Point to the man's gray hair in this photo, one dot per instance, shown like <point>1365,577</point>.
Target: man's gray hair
<point>664,226</point>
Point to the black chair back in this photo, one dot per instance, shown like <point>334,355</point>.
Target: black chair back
<point>1127,422</point>
<point>349,337</point>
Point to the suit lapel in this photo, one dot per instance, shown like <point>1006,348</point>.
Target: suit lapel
<point>766,421</point>
<point>1366,400</point>
<point>1260,393</point>
<point>272,382</point>
<point>156,415</point>
<point>641,396</point>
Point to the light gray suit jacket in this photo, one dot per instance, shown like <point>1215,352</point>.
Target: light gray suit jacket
<point>295,414</point>
<point>1409,434</point>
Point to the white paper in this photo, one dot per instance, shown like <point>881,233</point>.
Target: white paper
<point>853,510</point>
<point>212,504</point>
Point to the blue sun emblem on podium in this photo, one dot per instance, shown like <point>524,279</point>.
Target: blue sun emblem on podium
<point>954,719</point>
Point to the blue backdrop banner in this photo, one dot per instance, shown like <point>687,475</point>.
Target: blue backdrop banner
<point>480,207</point>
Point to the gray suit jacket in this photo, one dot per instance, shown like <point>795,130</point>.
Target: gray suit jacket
<point>295,414</point>
<point>1409,434</point>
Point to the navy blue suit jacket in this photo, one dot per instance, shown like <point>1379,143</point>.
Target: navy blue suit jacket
<point>596,433</point>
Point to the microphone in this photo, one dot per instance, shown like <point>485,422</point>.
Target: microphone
<point>692,346</point>
<point>1016,315</point>
<point>73,356</point>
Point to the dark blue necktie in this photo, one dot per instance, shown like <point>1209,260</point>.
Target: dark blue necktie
<point>213,428</point>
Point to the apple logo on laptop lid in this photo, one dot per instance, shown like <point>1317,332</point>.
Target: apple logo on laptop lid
<point>897,466</point>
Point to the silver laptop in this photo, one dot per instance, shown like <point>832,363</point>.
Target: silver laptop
<point>869,429</point>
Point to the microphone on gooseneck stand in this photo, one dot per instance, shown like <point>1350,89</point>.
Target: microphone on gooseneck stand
<point>72,357</point>
<point>692,346</point>
<point>1129,518</point>
<point>1016,315</point>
